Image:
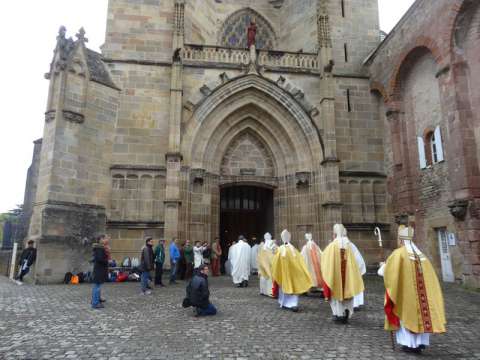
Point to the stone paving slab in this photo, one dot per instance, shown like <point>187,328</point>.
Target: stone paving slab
<point>56,322</point>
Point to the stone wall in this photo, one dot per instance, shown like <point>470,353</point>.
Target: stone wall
<point>298,26</point>
<point>359,130</point>
<point>143,114</point>
<point>139,30</point>
<point>422,70</point>
<point>357,30</point>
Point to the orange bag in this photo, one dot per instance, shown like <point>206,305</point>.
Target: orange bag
<point>74,280</point>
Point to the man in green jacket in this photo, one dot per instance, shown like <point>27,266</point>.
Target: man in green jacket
<point>188,254</point>
<point>159,260</point>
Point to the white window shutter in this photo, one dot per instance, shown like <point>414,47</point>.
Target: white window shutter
<point>421,153</point>
<point>439,144</point>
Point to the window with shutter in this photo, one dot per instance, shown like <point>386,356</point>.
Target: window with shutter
<point>421,153</point>
<point>437,144</point>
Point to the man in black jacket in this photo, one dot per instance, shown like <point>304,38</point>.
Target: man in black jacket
<point>146,265</point>
<point>100,269</point>
<point>28,257</point>
<point>198,293</point>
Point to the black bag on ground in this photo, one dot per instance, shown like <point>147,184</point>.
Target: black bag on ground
<point>81,277</point>
<point>186,302</point>
<point>67,278</point>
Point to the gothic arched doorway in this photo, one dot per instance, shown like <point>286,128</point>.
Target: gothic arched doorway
<point>245,210</point>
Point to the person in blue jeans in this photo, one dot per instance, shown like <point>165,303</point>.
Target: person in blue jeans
<point>146,265</point>
<point>174,258</point>
<point>199,294</point>
<point>100,270</point>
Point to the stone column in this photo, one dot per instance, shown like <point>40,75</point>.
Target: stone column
<point>403,197</point>
<point>460,152</point>
<point>174,158</point>
<point>330,178</point>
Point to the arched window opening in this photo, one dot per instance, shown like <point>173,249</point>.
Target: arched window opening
<point>234,30</point>
<point>430,148</point>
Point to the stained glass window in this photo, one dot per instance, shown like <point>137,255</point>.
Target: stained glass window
<point>234,30</point>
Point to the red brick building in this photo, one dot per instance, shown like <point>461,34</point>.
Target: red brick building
<point>426,74</point>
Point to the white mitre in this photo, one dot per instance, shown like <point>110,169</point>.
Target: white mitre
<point>405,234</point>
<point>268,243</point>
<point>341,235</point>
<point>286,237</point>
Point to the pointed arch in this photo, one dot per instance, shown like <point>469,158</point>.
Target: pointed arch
<point>260,105</point>
<point>247,151</point>
<point>233,32</point>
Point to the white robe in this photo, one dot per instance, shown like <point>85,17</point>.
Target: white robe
<point>287,300</point>
<point>240,257</point>
<point>198,255</point>
<point>253,258</point>
<point>266,286</point>
<point>358,300</point>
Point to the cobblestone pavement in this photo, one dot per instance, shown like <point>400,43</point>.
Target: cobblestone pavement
<point>56,322</point>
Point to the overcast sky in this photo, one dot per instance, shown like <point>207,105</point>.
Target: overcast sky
<point>28,31</point>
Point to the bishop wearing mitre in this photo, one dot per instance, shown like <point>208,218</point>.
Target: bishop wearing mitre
<point>342,279</point>
<point>414,306</point>
<point>266,253</point>
<point>312,254</point>
<point>290,273</point>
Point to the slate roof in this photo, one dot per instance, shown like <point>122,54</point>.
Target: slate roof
<point>97,69</point>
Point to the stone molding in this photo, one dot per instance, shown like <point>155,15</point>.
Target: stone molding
<point>330,160</point>
<point>332,204</point>
<point>371,174</point>
<point>68,115</point>
<point>173,156</point>
<point>138,167</point>
<point>73,116</point>
<point>50,115</point>
<point>135,224</point>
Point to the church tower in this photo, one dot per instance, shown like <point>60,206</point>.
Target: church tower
<point>204,137</point>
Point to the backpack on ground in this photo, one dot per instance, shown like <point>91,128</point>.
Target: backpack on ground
<point>74,280</point>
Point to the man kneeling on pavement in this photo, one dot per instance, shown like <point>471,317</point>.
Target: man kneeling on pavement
<point>198,294</point>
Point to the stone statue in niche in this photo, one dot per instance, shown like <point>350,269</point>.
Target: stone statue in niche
<point>251,33</point>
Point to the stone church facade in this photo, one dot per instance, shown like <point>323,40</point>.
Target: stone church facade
<point>178,130</point>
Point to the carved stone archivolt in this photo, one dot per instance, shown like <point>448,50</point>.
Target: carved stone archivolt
<point>207,89</point>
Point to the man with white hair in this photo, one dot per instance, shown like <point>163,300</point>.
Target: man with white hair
<point>290,273</point>
<point>240,258</point>
<point>266,253</point>
<point>342,279</point>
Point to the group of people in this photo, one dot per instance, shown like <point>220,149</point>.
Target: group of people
<point>195,261</point>
<point>413,308</point>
